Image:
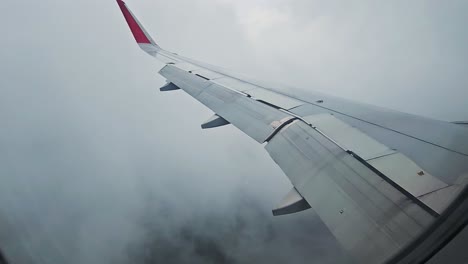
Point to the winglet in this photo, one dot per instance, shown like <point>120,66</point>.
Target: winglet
<point>142,37</point>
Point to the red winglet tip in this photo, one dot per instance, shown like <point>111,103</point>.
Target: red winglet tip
<point>137,31</point>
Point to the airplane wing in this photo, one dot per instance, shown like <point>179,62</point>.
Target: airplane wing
<point>377,178</point>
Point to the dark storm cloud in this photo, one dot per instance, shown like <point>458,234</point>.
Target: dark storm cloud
<point>242,231</point>
<point>98,167</point>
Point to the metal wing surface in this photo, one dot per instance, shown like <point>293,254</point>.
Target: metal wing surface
<point>377,178</point>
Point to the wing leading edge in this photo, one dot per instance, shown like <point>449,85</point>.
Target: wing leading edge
<point>345,160</point>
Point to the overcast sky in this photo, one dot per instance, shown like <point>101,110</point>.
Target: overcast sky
<point>97,166</point>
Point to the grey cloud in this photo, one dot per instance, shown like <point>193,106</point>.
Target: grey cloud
<point>242,232</point>
<point>390,54</point>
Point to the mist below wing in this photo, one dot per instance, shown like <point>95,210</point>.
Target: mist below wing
<point>377,178</point>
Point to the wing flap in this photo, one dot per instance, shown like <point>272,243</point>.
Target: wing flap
<point>348,137</point>
<point>369,217</point>
<point>394,165</point>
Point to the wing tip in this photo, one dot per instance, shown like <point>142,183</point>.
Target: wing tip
<point>137,30</point>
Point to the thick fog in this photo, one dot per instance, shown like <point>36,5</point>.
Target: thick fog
<point>97,166</point>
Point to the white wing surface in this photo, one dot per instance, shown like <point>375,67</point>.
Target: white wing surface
<point>377,178</point>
